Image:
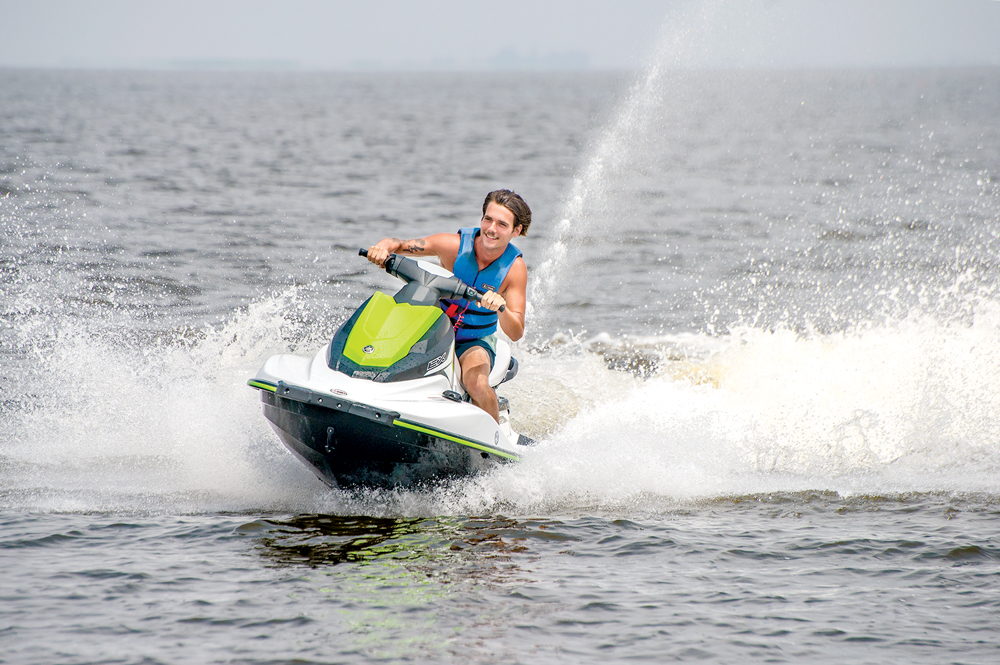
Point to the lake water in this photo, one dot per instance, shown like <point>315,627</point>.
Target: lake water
<point>762,364</point>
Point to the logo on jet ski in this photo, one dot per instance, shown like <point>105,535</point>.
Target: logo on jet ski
<point>368,349</point>
<point>437,362</point>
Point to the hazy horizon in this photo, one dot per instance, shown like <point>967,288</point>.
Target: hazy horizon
<point>448,35</point>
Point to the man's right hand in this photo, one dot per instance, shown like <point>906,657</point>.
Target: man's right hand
<point>378,254</point>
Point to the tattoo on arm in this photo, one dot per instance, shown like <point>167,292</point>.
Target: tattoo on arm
<point>414,246</point>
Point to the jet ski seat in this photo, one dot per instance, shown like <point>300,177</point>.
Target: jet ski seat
<point>505,365</point>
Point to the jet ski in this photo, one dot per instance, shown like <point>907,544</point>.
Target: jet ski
<point>382,404</point>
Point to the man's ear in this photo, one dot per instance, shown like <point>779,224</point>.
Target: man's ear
<point>520,230</point>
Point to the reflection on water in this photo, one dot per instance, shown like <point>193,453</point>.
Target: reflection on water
<point>317,540</point>
<point>396,588</point>
<point>321,540</point>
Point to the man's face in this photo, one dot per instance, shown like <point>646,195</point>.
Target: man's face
<point>497,226</point>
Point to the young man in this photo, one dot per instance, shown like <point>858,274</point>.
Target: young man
<point>484,258</point>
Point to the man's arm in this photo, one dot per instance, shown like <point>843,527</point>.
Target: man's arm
<point>513,295</point>
<point>442,245</point>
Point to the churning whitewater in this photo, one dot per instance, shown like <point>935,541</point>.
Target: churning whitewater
<point>905,406</point>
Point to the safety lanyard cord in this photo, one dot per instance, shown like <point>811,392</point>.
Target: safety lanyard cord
<point>461,315</point>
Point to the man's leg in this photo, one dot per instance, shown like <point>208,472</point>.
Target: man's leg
<point>475,364</point>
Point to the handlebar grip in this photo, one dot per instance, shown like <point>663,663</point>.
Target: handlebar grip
<point>390,261</point>
<point>480,294</point>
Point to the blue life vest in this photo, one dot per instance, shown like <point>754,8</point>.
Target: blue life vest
<point>471,320</point>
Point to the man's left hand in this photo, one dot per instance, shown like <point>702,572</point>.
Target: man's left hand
<point>492,301</point>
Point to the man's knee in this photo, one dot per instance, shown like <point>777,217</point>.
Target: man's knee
<point>480,385</point>
<point>476,370</point>
<point>475,364</point>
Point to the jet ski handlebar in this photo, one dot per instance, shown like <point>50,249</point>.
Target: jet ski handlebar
<point>424,287</point>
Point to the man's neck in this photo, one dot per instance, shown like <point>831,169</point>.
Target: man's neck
<point>484,258</point>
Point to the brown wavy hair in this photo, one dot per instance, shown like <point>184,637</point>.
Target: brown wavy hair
<point>513,202</point>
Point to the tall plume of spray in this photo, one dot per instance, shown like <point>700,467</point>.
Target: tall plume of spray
<point>589,204</point>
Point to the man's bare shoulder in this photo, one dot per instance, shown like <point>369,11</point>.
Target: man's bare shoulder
<point>445,241</point>
<point>445,246</point>
<point>517,276</point>
<point>519,269</point>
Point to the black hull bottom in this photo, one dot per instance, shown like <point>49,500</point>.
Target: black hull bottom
<point>349,450</point>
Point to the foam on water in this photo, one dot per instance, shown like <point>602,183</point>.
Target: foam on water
<point>907,406</point>
<point>898,408</point>
<point>116,424</point>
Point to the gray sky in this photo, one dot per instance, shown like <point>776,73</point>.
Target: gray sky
<point>518,34</point>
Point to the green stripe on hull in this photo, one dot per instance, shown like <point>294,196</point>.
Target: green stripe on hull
<point>451,437</point>
<point>270,387</point>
